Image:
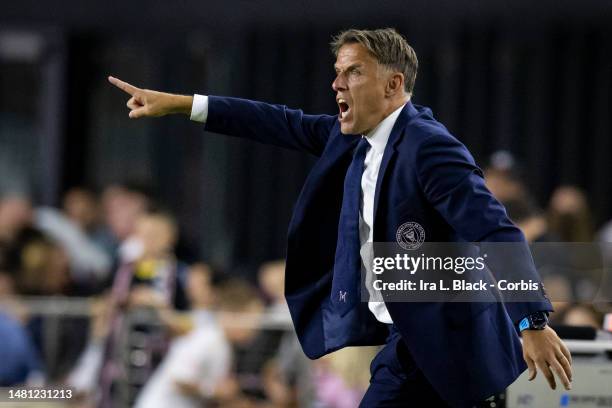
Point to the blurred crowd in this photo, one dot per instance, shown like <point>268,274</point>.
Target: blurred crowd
<point>572,253</point>
<point>158,331</point>
<point>153,330</point>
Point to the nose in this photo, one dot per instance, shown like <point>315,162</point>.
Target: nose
<point>339,83</point>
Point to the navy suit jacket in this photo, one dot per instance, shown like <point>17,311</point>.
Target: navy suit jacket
<point>467,351</point>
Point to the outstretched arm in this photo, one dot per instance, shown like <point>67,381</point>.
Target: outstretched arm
<point>258,121</point>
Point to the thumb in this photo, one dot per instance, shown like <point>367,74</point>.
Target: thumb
<point>533,371</point>
<point>138,113</point>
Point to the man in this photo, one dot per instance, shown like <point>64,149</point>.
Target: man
<point>383,162</point>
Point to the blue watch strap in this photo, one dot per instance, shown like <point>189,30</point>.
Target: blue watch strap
<point>524,324</point>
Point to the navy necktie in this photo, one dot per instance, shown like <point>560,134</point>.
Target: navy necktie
<point>347,264</point>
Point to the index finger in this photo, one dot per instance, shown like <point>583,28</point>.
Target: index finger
<point>124,86</point>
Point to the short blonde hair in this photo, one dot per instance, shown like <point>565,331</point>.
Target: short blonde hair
<point>389,48</point>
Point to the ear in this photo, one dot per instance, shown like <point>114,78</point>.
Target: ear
<point>395,84</point>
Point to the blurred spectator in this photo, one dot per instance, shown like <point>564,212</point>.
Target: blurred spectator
<point>111,220</point>
<point>569,218</point>
<point>271,279</point>
<point>198,360</point>
<point>15,215</point>
<point>342,377</point>
<point>42,266</point>
<point>122,206</point>
<point>42,235</point>
<point>155,236</point>
<point>582,315</point>
<point>559,291</point>
<point>81,207</point>
<point>239,313</point>
<point>286,375</point>
<point>502,177</point>
<point>201,288</point>
<point>266,341</point>
<point>196,371</point>
<point>569,215</point>
<point>149,278</point>
<point>20,362</point>
<point>529,218</point>
<point>83,376</point>
<point>288,379</point>
<point>90,265</point>
<point>9,302</point>
<point>20,359</point>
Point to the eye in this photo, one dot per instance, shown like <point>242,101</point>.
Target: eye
<point>354,71</point>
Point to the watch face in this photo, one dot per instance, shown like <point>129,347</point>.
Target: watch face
<point>538,320</point>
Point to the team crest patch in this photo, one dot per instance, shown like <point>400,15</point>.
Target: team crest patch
<point>410,235</point>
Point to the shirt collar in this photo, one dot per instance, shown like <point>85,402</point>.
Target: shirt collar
<point>379,136</point>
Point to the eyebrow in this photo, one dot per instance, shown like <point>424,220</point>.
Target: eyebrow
<point>356,65</point>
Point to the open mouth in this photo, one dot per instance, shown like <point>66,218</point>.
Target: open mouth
<point>344,108</point>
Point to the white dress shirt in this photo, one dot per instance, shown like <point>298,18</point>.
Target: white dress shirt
<point>377,138</point>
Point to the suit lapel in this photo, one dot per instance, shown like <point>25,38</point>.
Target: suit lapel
<point>390,150</point>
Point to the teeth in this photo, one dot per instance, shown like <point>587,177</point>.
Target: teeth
<point>341,100</point>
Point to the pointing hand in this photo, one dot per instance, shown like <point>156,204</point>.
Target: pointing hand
<point>146,103</point>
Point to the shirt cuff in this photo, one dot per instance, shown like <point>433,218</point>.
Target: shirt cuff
<point>199,109</point>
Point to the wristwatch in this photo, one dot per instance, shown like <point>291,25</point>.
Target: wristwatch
<point>535,321</point>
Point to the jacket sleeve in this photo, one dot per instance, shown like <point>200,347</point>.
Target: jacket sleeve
<point>455,186</point>
<point>269,124</point>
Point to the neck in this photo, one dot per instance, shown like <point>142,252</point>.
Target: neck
<point>393,105</point>
<point>396,103</point>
